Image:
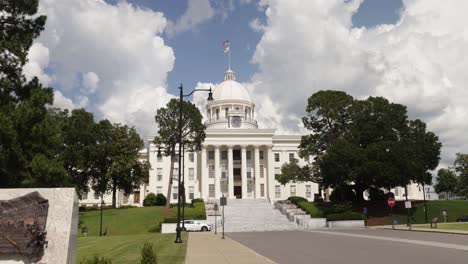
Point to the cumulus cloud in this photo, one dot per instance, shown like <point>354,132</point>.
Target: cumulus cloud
<point>114,52</point>
<point>38,60</point>
<point>308,46</point>
<point>198,11</point>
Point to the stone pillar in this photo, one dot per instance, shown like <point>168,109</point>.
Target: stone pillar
<point>257,172</point>
<point>271,174</point>
<point>217,174</point>
<point>204,175</point>
<point>244,171</point>
<point>230,173</point>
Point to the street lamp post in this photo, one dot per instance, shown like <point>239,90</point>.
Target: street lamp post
<point>181,98</point>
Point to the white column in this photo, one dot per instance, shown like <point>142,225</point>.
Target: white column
<point>230,173</point>
<point>204,175</point>
<point>244,171</point>
<point>217,174</point>
<point>257,172</point>
<point>271,174</point>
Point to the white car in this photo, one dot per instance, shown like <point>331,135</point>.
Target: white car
<point>194,225</point>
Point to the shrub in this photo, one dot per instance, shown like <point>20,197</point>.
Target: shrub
<point>345,216</point>
<point>197,200</point>
<point>96,260</point>
<point>342,194</point>
<point>147,254</point>
<point>377,195</point>
<point>160,199</point>
<point>337,208</point>
<point>310,209</point>
<point>297,199</point>
<point>150,200</point>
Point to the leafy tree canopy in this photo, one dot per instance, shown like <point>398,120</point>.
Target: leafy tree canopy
<point>446,181</point>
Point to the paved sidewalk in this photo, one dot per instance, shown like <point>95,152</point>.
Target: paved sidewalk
<point>208,248</point>
<point>417,229</point>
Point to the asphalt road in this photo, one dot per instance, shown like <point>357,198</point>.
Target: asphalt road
<point>357,246</point>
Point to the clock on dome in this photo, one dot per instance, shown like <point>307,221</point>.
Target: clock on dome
<point>236,121</point>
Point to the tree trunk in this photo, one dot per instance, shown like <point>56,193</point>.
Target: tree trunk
<point>169,189</point>
<point>114,196</point>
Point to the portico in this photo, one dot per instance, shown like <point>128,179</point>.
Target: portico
<point>235,171</point>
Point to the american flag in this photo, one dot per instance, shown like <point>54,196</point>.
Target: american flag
<point>226,46</point>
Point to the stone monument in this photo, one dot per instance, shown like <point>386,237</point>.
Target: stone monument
<point>38,225</point>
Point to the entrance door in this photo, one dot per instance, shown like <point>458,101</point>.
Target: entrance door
<point>238,192</point>
<point>136,197</point>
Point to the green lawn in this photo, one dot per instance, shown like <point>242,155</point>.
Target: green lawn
<point>448,226</point>
<point>127,248</point>
<point>455,210</point>
<point>127,231</point>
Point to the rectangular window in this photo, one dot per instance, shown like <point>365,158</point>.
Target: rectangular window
<point>291,157</point>
<point>262,190</point>
<point>211,190</point>
<point>191,174</point>
<point>277,172</point>
<point>211,155</point>
<point>223,171</point>
<point>249,173</point>
<point>217,114</point>
<point>397,193</point>
<point>191,157</point>
<point>211,169</point>
<point>262,171</point>
<point>277,157</point>
<point>175,191</point>
<point>308,191</point>
<point>159,174</point>
<point>223,155</point>
<point>293,190</point>
<point>175,173</point>
<point>249,155</point>
<point>159,190</point>
<point>96,196</point>
<point>191,192</point>
<point>261,154</point>
<point>277,191</point>
<point>125,199</point>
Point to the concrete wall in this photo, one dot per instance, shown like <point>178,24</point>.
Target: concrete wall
<point>168,228</point>
<point>347,224</point>
<point>61,227</point>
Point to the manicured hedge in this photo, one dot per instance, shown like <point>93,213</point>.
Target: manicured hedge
<point>296,199</point>
<point>345,216</point>
<point>310,209</point>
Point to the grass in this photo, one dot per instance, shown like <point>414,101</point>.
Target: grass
<point>127,231</point>
<point>447,226</point>
<point>127,248</point>
<point>455,210</point>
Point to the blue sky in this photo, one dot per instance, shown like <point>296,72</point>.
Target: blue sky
<point>199,52</point>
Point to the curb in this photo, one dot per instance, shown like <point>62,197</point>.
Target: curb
<point>423,230</point>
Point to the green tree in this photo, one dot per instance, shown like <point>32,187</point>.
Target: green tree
<point>193,132</point>
<point>461,167</point>
<point>115,160</point>
<point>29,140</point>
<point>147,254</point>
<point>365,144</point>
<point>446,181</point>
<point>293,172</point>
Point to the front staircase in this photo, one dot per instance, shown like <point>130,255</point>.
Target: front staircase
<point>246,215</point>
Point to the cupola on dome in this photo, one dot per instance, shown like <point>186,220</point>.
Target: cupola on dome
<point>230,89</point>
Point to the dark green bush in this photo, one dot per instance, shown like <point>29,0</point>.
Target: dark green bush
<point>310,209</point>
<point>160,199</point>
<point>94,207</point>
<point>150,200</point>
<point>197,200</point>
<point>377,195</point>
<point>342,194</point>
<point>346,216</point>
<point>297,199</point>
<point>96,260</point>
<point>147,254</point>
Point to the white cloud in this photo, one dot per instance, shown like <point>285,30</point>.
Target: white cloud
<point>90,82</point>
<point>114,52</point>
<point>38,60</point>
<point>198,11</point>
<point>420,61</point>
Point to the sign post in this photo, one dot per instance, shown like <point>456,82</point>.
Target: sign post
<point>216,208</point>
<point>391,202</point>
<point>408,207</point>
<point>223,202</point>
<point>445,213</point>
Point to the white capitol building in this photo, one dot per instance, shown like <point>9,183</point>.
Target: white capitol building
<point>238,159</point>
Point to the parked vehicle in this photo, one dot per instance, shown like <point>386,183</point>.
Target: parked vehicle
<point>195,225</point>
<point>463,219</point>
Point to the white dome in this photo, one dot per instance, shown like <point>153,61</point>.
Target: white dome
<point>229,89</point>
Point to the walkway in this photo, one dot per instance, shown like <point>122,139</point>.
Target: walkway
<point>416,228</point>
<point>208,248</point>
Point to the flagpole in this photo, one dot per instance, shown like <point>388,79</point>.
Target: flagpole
<point>229,56</point>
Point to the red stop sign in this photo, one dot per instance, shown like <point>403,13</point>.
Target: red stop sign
<point>391,202</point>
